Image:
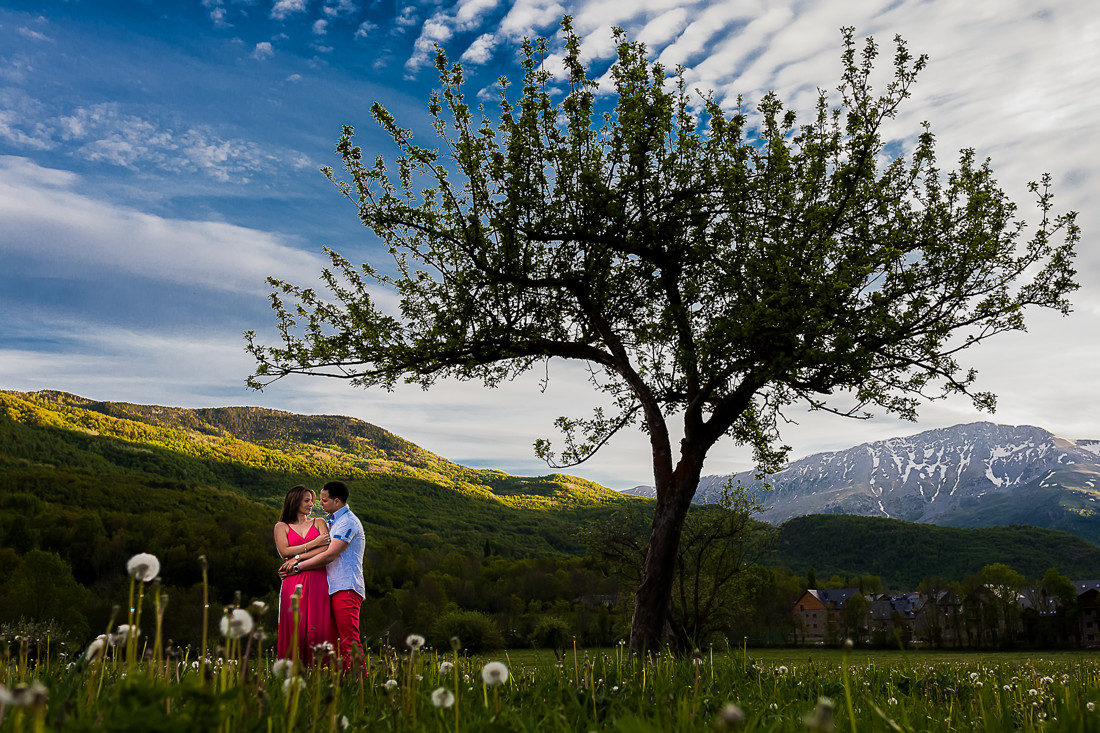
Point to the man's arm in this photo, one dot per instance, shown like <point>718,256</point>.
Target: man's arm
<point>317,561</point>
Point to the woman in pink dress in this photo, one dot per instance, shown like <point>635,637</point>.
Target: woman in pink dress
<point>298,536</point>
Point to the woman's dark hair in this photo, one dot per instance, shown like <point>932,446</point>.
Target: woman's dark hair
<point>292,501</point>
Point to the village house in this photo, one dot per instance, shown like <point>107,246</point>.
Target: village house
<point>817,613</point>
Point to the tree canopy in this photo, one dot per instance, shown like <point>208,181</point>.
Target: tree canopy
<point>710,265</point>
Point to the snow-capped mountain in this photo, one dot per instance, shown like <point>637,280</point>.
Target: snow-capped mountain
<point>928,477</point>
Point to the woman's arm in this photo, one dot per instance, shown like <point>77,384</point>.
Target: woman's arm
<point>304,549</point>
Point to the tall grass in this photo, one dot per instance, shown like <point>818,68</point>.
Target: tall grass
<point>128,681</point>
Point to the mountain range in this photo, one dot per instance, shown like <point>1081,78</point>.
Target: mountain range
<point>975,475</point>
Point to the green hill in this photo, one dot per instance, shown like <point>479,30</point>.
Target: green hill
<point>904,553</point>
<point>408,493</point>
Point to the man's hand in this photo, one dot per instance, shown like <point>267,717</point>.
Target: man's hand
<point>286,568</point>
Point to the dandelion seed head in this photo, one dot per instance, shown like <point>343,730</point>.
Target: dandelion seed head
<point>821,719</point>
<point>414,641</point>
<point>236,624</point>
<point>445,667</point>
<point>730,717</point>
<point>443,698</point>
<point>143,567</point>
<point>123,633</point>
<point>283,668</point>
<point>389,685</point>
<point>494,673</point>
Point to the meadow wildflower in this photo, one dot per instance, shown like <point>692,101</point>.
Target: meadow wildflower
<point>729,717</point>
<point>494,673</point>
<point>389,685</point>
<point>96,648</point>
<point>443,698</point>
<point>1090,705</point>
<point>123,633</point>
<point>27,696</point>
<point>445,667</point>
<point>143,567</point>
<point>236,623</point>
<point>821,719</point>
<point>414,641</point>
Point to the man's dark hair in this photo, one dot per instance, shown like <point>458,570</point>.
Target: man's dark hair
<point>337,490</point>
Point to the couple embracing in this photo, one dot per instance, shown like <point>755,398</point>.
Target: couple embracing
<point>324,558</point>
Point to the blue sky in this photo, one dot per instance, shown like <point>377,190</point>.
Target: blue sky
<point>158,159</point>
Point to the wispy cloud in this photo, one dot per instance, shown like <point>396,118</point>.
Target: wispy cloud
<point>23,133</point>
<point>34,35</point>
<point>49,219</point>
<point>104,133</point>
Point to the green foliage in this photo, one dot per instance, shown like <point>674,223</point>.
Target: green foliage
<point>475,631</point>
<point>552,633</point>
<point>905,553</point>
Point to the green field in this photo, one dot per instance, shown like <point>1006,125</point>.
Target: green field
<point>238,687</point>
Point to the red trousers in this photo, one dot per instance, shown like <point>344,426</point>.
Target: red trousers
<point>345,619</point>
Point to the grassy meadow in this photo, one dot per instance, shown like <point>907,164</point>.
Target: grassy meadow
<point>125,681</point>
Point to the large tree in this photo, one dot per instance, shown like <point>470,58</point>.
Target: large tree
<point>710,265</point>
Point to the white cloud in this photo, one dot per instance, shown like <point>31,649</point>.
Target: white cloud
<point>340,8</point>
<point>365,29</point>
<point>104,133</point>
<point>34,35</point>
<point>23,133</point>
<point>294,78</point>
<point>320,27</point>
<point>531,18</point>
<point>283,9</point>
<point>481,50</point>
<point>47,218</point>
<point>263,51</point>
<point>407,18</point>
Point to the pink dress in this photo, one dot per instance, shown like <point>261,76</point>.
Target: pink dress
<point>314,610</point>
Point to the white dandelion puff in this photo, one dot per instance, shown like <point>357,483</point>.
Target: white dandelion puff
<point>443,698</point>
<point>143,567</point>
<point>494,673</point>
<point>236,623</point>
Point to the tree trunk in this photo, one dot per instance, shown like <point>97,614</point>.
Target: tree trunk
<point>650,627</point>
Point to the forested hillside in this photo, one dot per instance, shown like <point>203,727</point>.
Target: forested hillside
<point>85,485</point>
<point>904,553</point>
